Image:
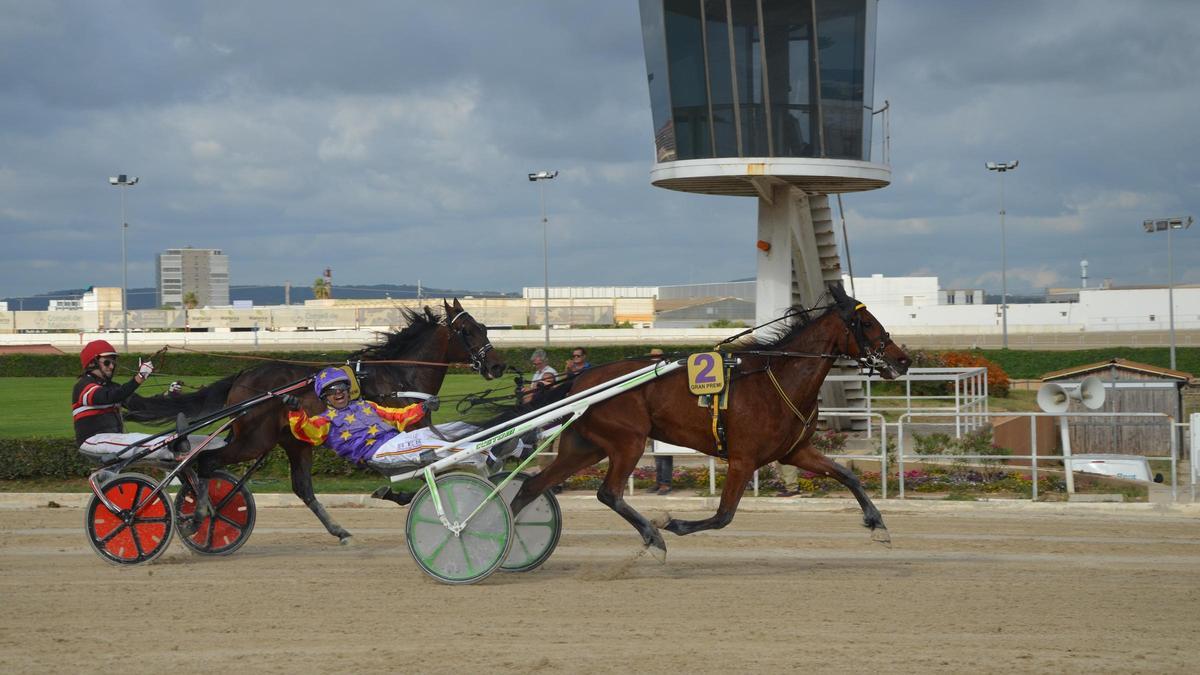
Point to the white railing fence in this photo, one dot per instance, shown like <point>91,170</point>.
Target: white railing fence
<point>907,420</point>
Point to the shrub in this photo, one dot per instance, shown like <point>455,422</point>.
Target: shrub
<point>42,457</point>
<point>829,441</point>
<point>922,358</point>
<point>997,379</point>
<point>978,442</point>
<point>933,444</point>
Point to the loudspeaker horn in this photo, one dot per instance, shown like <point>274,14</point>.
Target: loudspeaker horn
<point>1054,398</point>
<point>1091,393</point>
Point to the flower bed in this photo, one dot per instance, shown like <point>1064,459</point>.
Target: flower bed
<point>951,481</point>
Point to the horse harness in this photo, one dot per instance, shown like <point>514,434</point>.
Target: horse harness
<point>718,402</point>
<point>477,356</point>
<point>871,355</point>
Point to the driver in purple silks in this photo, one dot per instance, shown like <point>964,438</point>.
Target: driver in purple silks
<point>365,432</point>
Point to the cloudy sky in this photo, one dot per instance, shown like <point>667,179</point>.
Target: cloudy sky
<point>391,140</point>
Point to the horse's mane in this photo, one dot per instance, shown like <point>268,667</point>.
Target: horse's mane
<point>796,319</point>
<point>396,344</point>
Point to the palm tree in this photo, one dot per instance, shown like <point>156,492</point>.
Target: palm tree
<point>321,290</point>
<point>190,301</point>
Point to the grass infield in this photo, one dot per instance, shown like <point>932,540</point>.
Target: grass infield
<point>41,406</point>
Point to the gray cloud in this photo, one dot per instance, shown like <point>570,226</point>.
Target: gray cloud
<point>390,140</point>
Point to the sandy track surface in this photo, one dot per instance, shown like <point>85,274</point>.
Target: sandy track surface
<point>787,591</point>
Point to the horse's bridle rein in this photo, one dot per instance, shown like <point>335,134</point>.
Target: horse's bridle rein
<point>870,355</point>
<point>477,356</point>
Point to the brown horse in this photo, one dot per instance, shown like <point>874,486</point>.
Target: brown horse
<point>456,339</point>
<point>771,415</point>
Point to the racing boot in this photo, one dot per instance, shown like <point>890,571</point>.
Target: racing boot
<point>181,445</point>
<point>386,492</point>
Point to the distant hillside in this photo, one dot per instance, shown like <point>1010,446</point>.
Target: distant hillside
<point>144,298</point>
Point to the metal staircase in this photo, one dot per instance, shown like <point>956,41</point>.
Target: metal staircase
<point>835,394</point>
<point>798,258</point>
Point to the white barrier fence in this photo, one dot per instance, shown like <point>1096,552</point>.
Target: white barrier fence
<point>904,425</point>
<point>1033,457</point>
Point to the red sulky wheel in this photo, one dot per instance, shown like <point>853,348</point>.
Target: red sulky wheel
<point>126,537</point>
<point>233,519</point>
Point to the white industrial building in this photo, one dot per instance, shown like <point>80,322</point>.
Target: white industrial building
<point>917,305</point>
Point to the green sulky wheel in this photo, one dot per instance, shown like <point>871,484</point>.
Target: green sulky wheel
<point>232,520</point>
<point>475,552</point>
<point>537,527</point>
<point>129,535</point>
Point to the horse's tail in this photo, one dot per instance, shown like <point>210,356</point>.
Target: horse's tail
<point>165,407</point>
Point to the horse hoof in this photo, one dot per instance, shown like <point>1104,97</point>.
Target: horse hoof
<point>880,535</point>
<point>657,552</point>
<point>346,540</point>
<point>663,521</point>
<point>188,526</point>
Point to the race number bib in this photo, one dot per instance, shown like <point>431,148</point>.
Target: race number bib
<point>705,373</point>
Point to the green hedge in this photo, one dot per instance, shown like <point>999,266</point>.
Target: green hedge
<point>41,457</point>
<point>1027,365</point>
<point>218,365</point>
<point>1017,363</point>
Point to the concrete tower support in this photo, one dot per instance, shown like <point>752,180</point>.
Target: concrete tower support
<point>795,270</point>
<point>789,272</point>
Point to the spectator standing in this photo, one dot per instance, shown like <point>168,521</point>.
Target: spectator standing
<point>664,466</point>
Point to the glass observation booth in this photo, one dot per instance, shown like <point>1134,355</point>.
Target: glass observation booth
<point>771,99</point>
<point>763,80</point>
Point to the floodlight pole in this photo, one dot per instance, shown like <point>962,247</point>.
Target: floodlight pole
<point>122,181</point>
<point>538,178</point>
<point>1003,168</point>
<point>1171,293</point>
<point>1169,224</point>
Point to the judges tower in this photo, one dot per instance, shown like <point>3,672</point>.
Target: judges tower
<point>771,99</point>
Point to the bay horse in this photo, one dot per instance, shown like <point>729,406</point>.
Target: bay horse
<point>771,414</point>
<point>454,338</point>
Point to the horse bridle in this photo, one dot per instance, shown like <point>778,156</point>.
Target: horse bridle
<point>870,355</point>
<point>477,356</point>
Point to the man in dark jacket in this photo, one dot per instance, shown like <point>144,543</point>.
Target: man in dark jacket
<point>96,401</point>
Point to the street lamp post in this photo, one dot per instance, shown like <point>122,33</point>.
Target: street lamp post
<point>1168,224</point>
<point>122,181</point>
<point>538,178</point>
<point>1003,168</point>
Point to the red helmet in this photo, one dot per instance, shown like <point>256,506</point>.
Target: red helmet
<point>94,350</point>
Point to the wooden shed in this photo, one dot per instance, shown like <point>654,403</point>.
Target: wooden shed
<point>1129,387</point>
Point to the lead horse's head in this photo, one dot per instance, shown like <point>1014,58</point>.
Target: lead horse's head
<point>866,339</point>
<point>471,338</point>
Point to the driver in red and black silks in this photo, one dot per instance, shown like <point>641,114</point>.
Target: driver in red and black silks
<point>96,401</point>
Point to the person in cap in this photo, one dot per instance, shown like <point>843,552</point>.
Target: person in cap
<point>96,403</point>
<point>365,432</point>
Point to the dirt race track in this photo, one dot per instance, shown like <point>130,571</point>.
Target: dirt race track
<point>962,590</point>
